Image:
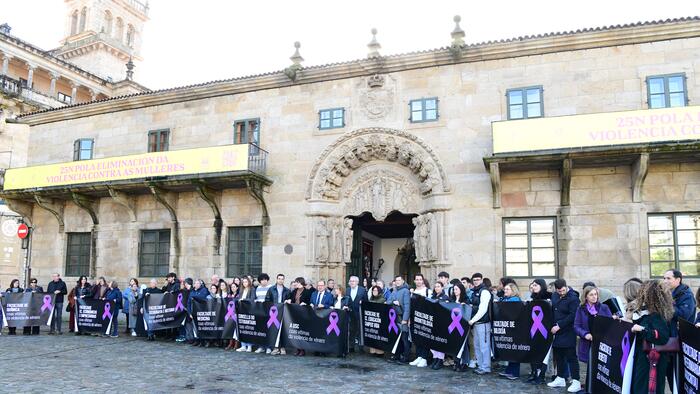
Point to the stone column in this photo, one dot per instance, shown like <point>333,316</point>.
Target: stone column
<point>74,92</point>
<point>5,63</point>
<point>93,95</point>
<point>30,76</point>
<point>52,89</point>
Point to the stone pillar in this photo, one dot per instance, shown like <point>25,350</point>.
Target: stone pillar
<point>74,92</point>
<point>5,63</point>
<point>52,89</point>
<point>93,95</point>
<point>30,76</point>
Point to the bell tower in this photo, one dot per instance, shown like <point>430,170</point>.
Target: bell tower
<point>103,35</point>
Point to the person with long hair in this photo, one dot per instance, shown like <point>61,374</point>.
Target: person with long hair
<point>199,291</point>
<point>538,291</point>
<point>511,293</point>
<point>33,288</point>
<point>439,295</point>
<point>652,320</point>
<point>376,296</point>
<point>459,295</point>
<point>126,303</point>
<point>299,295</point>
<point>583,323</point>
<point>82,290</point>
<point>421,290</point>
<point>114,294</point>
<point>247,293</point>
<point>14,288</point>
<point>630,291</point>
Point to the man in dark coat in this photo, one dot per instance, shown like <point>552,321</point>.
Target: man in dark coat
<point>565,302</point>
<point>683,308</point>
<point>357,295</point>
<point>57,287</point>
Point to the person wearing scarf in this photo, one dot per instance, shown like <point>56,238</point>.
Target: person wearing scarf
<point>583,323</point>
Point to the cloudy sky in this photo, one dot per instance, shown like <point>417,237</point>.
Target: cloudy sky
<point>189,41</point>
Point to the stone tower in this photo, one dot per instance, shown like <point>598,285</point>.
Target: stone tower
<point>102,35</point>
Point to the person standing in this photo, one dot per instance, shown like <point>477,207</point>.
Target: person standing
<point>421,290</point>
<point>151,289</point>
<point>590,307</point>
<point>652,317</point>
<point>438,295</point>
<point>14,288</point>
<point>57,287</point>
<point>132,299</point>
<point>114,294</point>
<point>538,291</point>
<point>260,295</point>
<point>321,298</point>
<point>126,303</point>
<point>278,294</point>
<point>199,291</point>
<point>565,302</point>
<point>299,295</point>
<point>33,288</point>
<point>82,290</point>
<point>400,298</point>
<point>247,293</point>
<point>444,278</point>
<point>683,308</point>
<point>511,293</point>
<point>100,289</point>
<point>358,295</point>
<point>330,285</point>
<point>376,296</point>
<point>481,324</point>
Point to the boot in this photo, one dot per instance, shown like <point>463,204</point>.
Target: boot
<point>438,364</point>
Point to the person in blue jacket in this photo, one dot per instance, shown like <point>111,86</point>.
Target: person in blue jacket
<point>321,298</point>
<point>114,294</point>
<point>511,293</point>
<point>683,308</point>
<point>401,299</point>
<point>565,302</point>
<point>200,292</point>
<point>125,302</point>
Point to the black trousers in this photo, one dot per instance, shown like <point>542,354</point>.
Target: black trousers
<point>567,356</point>
<point>404,349</point>
<point>354,330</point>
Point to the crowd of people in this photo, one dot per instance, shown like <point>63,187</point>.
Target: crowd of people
<point>654,306</point>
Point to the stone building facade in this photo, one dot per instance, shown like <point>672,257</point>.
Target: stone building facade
<point>411,140</point>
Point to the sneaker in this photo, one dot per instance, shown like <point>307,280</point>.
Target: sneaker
<point>472,364</point>
<point>259,350</point>
<point>558,382</point>
<point>480,371</point>
<point>268,351</point>
<point>504,375</point>
<point>415,362</point>
<point>275,352</point>
<point>114,336</point>
<point>249,349</point>
<point>241,349</point>
<point>511,377</point>
<point>422,364</point>
<point>283,351</point>
<point>575,386</point>
<point>133,333</point>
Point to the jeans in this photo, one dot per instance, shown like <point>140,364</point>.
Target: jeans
<point>482,345</point>
<point>57,317</point>
<point>189,330</point>
<point>115,326</point>
<point>566,356</point>
<point>404,351</point>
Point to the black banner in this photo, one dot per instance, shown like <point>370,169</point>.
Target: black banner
<point>27,309</point>
<point>260,323</point>
<point>521,331</point>
<point>315,330</point>
<point>440,326</point>
<point>380,327</point>
<point>689,370</point>
<point>214,318</point>
<point>94,315</point>
<point>612,356</point>
<point>164,311</point>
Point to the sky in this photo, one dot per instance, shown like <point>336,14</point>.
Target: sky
<point>187,42</point>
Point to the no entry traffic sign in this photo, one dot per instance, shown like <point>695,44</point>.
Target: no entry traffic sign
<point>22,231</point>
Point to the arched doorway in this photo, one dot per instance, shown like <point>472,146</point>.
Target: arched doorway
<point>383,249</point>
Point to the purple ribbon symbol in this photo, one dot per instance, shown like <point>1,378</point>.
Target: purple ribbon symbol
<point>333,326</point>
<point>537,317</point>
<point>108,311</point>
<point>625,352</point>
<point>392,321</point>
<point>456,316</point>
<point>273,317</point>
<point>179,306</point>
<point>47,303</point>
<point>231,311</point>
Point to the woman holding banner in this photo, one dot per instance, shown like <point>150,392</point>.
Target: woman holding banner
<point>114,294</point>
<point>422,353</point>
<point>583,323</point>
<point>652,321</point>
<point>200,292</point>
<point>538,291</point>
<point>82,290</point>
<point>438,295</point>
<point>247,292</point>
<point>14,288</point>
<point>511,293</point>
<point>33,288</point>
<point>377,296</point>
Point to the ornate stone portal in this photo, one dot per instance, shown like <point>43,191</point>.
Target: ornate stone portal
<point>378,171</point>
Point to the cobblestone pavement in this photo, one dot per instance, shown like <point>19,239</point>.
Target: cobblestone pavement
<point>69,363</point>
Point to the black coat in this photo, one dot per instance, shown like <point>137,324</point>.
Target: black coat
<point>359,299</point>
<point>61,287</point>
<point>564,315</point>
<point>272,294</point>
<point>305,296</point>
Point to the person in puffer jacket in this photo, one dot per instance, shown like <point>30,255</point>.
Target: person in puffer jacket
<point>565,302</point>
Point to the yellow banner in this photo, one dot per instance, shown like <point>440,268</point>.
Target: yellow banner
<point>180,162</point>
<point>611,128</point>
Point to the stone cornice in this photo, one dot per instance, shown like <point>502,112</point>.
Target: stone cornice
<point>524,46</point>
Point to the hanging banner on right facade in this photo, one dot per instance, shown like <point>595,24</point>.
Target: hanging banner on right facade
<point>689,371</point>
<point>612,356</point>
<point>522,331</point>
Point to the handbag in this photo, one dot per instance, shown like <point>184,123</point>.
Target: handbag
<point>672,346</point>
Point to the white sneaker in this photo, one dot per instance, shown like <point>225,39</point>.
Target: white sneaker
<point>133,333</point>
<point>249,349</point>
<point>283,351</point>
<point>259,350</point>
<point>575,386</point>
<point>558,382</point>
<point>472,364</point>
<point>241,349</point>
<point>416,361</point>
<point>422,364</point>
<point>268,351</point>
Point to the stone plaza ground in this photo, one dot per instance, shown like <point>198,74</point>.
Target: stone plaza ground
<point>69,363</point>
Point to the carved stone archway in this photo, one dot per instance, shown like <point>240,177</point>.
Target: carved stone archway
<point>379,171</point>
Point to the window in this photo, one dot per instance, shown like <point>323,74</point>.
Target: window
<point>154,253</point>
<point>64,98</point>
<point>525,103</point>
<point>664,91</point>
<point>424,110</point>
<point>82,149</point>
<point>674,243</point>
<point>23,82</point>
<point>333,118</point>
<point>158,140</point>
<point>529,247</point>
<point>246,131</point>
<point>244,251</point>
<point>78,254</point>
